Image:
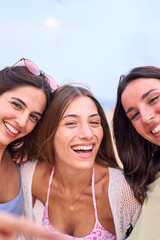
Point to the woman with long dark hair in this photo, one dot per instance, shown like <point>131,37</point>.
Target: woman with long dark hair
<point>136,124</point>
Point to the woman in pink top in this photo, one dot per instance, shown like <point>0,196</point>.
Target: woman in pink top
<point>78,179</point>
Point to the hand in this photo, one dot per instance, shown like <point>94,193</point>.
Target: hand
<point>18,159</point>
<point>10,225</point>
<point>4,236</point>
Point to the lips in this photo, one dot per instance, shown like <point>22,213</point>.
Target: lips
<point>84,151</point>
<point>11,128</point>
<point>156,129</point>
<point>83,148</point>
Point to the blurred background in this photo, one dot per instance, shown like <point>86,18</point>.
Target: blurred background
<point>86,41</point>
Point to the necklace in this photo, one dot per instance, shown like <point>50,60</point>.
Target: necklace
<point>71,206</point>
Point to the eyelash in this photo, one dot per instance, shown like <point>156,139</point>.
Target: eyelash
<point>70,123</point>
<point>74,123</point>
<point>34,118</point>
<point>153,99</point>
<point>95,122</point>
<point>134,116</point>
<point>16,105</point>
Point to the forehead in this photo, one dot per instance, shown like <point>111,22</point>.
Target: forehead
<point>23,89</point>
<point>31,95</point>
<point>81,105</point>
<point>139,87</point>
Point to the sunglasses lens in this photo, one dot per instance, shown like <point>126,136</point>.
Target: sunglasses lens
<point>32,67</point>
<point>52,83</point>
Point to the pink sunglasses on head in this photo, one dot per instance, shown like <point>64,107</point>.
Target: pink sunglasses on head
<point>36,71</point>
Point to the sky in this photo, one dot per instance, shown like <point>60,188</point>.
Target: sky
<point>92,42</point>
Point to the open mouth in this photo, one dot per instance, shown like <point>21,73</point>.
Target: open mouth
<point>156,129</point>
<point>83,149</point>
<point>11,129</point>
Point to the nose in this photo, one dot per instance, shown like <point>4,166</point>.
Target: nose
<point>21,120</point>
<point>147,115</point>
<point>85,131</point>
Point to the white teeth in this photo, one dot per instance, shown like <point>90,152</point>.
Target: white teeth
<point>82,148</point>
<point>157,129</point>
<point>11,128</point>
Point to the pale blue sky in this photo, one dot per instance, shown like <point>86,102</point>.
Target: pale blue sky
<point>87,41</point>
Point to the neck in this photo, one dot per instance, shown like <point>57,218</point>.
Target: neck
<point>5,158</point>
<point>2,153</point>
<point>73,184</point>
<point>73,179</point>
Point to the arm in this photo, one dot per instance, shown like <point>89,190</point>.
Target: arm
<point>10,225</point>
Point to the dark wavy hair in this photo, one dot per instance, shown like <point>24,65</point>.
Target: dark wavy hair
<point>61,99</point>
<point>139,157</point>
<point>19,76</point>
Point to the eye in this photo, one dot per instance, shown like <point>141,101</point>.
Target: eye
<point>16,105</point>
<point>34,118</point>
<point>134,116</point>
<point>95,123</point>
<point>153,99</point>
<point>71,123</point>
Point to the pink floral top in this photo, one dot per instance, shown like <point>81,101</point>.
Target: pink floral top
<point>97,233</point>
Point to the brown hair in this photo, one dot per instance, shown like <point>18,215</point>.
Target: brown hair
<point>15,77</point>
<point>140,157</point>
<point>61,99</point>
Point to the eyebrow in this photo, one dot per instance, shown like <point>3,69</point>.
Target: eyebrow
<point>19,100</point>
<point>142,98</point>
<point>146,94</point>
<point>77,116</point>
<point>25,105</point>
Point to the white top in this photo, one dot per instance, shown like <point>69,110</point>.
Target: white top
<point>125,208</point>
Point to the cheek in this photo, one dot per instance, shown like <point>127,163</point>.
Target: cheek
<point>100,135</point>
<point>10,113</point>
<point>138,127</point>
<point>58,140</point>
<point>30,126</point>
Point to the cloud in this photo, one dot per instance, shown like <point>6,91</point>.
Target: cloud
<point>51,22</point>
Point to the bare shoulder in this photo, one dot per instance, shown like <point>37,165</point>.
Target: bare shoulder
<point>101,171</point>
<point>41,179</point>
<point>109,176</point>
<point>101,178</point>
<point>42,167</point>
<point>42,171</point>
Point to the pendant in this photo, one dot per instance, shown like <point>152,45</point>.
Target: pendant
<point>71,207</point>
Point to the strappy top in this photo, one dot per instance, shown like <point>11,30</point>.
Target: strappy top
<point>14,206</point>
<point>98,232</point>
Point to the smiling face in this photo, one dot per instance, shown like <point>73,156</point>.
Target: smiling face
<point>20,110</point>
<point>141,102</point>
<point>79,134</point>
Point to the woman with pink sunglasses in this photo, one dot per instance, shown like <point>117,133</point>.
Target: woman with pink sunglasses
<point>25,93</point>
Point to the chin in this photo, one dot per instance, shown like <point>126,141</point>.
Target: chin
<point>86,166</point>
